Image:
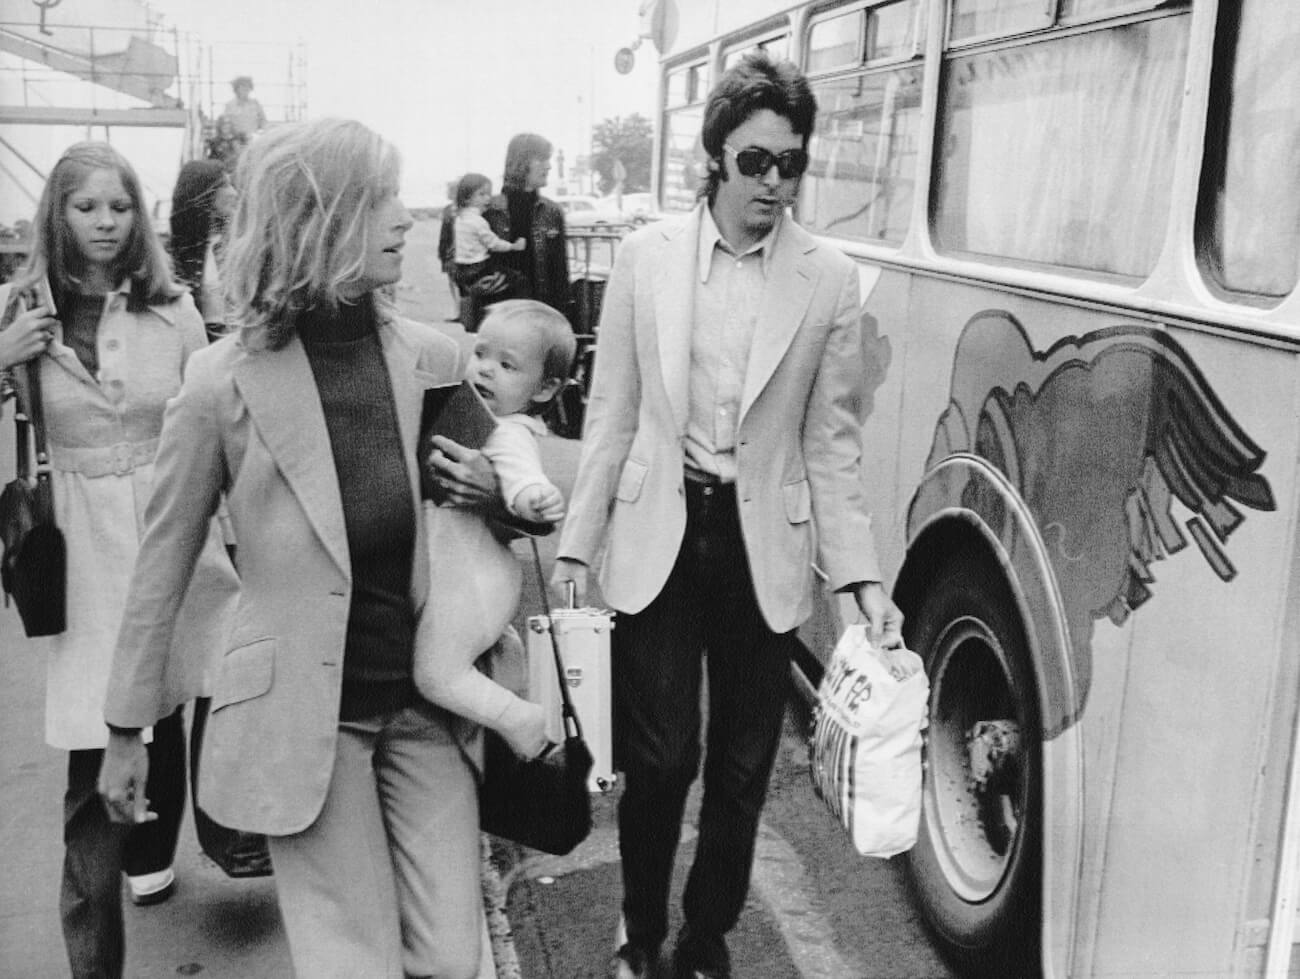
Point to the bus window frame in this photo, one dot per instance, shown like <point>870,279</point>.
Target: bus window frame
<point>1053,20</point>
<point>1150,10</point>
<point>863,61</point>
<point>767,31</point>
<point>1207,210</point>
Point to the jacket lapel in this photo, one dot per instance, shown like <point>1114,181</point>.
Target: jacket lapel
<point>279,390</point>
<point>786,295</point>
<point>674,296</point>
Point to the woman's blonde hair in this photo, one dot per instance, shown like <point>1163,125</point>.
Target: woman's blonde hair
<point>301,228</point>
<point>54,253</point>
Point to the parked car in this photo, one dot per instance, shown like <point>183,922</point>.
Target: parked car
<point>640,208</point>
<point>581,210</point>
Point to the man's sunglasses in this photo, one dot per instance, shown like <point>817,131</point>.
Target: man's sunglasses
<point>756,162</point>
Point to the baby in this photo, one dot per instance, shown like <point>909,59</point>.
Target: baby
<point>522,356</point>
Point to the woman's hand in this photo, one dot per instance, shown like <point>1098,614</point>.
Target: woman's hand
<point>568,571</point>
<point>27,336</point>
<point>464,474</point>
<point>122,778</point>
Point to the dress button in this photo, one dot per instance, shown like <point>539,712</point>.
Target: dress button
<point>112,345</point>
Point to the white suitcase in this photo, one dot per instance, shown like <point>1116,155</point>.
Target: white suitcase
<point>583,634</point>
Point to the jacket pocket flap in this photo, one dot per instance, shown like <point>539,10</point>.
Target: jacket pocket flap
<point>629,483</point>
<point>245,673</point>
<point>798,501</point>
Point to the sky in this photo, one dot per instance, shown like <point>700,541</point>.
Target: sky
<point>447,81</point>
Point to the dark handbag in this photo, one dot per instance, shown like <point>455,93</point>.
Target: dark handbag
<point>34,563</point>
<point>543,803</point>
<point>237,852</point>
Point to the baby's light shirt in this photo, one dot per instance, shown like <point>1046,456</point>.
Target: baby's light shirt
<point>516,457</point>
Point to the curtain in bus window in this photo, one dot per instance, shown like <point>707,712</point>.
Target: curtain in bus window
<point>1062,151</point>
<point>1257,212</point>
<point>860,180</point>
<point>683,155</point>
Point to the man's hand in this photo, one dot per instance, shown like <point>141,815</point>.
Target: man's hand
<point>122,778</point>
<point>884,620</point>
<point>567,570</point>
<point>464,474</point>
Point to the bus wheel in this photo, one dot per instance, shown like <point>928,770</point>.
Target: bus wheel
<point>975,869</point>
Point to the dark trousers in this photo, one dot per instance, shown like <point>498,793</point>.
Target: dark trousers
<point>707,609</point>
<point>97,851</point>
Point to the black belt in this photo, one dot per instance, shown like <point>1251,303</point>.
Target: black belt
<point>702,478</point>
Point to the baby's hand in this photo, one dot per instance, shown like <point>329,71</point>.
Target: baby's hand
<point>542,504</point>
<point>520,244</point>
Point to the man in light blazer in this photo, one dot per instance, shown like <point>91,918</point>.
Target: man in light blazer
<point>721,454</point>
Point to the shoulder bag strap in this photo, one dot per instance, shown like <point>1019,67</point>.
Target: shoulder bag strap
<point>36,419</point>
<point>9,390</point>
<point>572,726</point>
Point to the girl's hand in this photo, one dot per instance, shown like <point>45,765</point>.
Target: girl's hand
<point>464,474</point>
<point>27,336</point>
<point>520,244</point>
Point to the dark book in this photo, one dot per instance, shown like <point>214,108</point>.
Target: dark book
<point>457,412</point>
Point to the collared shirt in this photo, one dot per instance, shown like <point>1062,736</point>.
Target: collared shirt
<point>728,293</point>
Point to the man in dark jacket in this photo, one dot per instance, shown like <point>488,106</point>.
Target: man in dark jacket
<point>541,270</point>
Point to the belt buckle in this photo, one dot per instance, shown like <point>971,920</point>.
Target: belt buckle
<point>123,458</point>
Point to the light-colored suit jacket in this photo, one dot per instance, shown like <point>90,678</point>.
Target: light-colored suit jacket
<point>798,442</point>
<point>249,422</point>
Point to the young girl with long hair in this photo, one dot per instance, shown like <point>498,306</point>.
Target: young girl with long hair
<point>108,361</point>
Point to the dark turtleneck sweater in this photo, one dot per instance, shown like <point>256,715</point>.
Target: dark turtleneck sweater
<point>347,361</point>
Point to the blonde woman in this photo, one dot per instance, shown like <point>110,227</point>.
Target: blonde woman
<point>305,417</point>
<point>108,361</point>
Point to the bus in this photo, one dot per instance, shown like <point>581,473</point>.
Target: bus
<point>1077,228</point>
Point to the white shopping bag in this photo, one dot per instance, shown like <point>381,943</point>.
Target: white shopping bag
<point>866,745</point>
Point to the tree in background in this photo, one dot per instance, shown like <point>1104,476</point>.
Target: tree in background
<point>630,140</point>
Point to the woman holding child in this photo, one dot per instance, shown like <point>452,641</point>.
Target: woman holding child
<point>306,418</point>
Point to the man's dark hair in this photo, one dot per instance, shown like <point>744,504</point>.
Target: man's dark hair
<point>755,82</point>
<point>524,148</point>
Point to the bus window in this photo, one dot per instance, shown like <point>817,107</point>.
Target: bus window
<point>860,180</point>
<point>777,47</point>
<point>1255,240</point>
<point>1061,150</point>
<point>836,42</point>
<point>685,89</point>
<point>891,31</point>
<point>978,18</point>
<point>859,183</point>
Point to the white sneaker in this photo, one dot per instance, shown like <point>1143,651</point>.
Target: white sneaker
<point>152,888</point>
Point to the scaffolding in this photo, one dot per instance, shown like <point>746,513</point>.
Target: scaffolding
<point>134,72</point>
